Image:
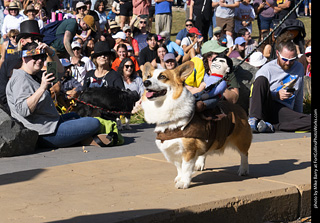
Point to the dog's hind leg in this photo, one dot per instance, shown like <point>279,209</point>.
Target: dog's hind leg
<point>200,163</point>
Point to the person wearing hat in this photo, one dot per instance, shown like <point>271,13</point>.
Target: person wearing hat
<point>80,69</point>
<point>133,42</point>
<point>222,38</point>
<point>80,9</point>
<point>103,75</point>
<point>170,61</point>
<point>66,32</point>
<point>238,48</point>
<point>12,20</point>
<point>191,44</point>
<point>305,59</point>
<point>29,32</point>
<point>31,104</point>
<point>70,87</point>
<point>257,60</point>
<point>31,12</point>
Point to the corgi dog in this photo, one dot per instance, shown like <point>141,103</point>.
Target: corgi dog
<point>183,136</point>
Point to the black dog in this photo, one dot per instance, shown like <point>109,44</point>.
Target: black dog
<point>110,99</point>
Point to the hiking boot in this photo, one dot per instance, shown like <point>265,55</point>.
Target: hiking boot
<point>253,122</point>
<point>265,127</point>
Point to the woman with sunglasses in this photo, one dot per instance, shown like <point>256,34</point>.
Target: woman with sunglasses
<point>130,78</point>
<point>103,75</point>
<point>31,104</point>
<point>238,48</point>
<point>8,47</point>
<point>12,20</point>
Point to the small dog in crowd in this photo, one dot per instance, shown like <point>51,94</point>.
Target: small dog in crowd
<point>182,135</point>
<point>109,99</point>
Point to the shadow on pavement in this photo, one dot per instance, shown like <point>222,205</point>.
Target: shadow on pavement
<point>273,168</point>
<point>11,178</point>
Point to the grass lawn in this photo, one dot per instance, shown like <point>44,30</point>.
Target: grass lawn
<point>179,18</point>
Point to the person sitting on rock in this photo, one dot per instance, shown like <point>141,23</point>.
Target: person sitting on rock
<point>221,66</point>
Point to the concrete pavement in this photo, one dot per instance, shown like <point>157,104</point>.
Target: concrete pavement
<point>103,185</point>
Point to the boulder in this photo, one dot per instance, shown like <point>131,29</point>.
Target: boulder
<point>245,75</point>
<point>15,139</point>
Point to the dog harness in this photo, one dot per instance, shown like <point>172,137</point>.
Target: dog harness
<point>202,129</point>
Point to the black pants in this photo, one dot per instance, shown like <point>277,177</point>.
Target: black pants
<point>283,118</point>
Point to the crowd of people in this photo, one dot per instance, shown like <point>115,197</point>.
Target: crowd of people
<point>93,47</point>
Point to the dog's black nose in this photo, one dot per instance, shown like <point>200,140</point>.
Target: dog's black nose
<point>147,83</point>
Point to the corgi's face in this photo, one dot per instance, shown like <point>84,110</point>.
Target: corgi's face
<point>160,83</point>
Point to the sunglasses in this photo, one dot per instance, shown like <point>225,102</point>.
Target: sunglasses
<point>76,48</point>
<point>13,37</point>
<point>308,54</point>
<point>287,59</point>
<point>128,66</point>
<point>41,57</point>
<point>143,22</point>
<point>188,24</point>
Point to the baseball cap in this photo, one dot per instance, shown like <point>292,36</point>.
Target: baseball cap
<point>239,41</point>
<point>169,56</point>
<point>195,30</point>
<point>65,62</point>
<point>216,30</point>
<point>308,50</point>
<point>119,35</point>
<point>212,46</point>
<point>75,44</point>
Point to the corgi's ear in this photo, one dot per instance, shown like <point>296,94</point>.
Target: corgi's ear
<point>184,70</point>
<point>147,70</point>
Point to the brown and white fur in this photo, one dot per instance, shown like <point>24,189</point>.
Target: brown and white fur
<point>169,105</point>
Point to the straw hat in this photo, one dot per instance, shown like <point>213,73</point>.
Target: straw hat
<point>30,8</point>
<point>14,5</point>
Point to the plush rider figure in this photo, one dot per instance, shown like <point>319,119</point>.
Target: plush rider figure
<point>212,94</point>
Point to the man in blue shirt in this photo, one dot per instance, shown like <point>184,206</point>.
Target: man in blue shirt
<point>163,18</point>
<point>183,32</point>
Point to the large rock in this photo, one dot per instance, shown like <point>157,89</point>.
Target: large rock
<point>15,139</point>
<point>245,75</point>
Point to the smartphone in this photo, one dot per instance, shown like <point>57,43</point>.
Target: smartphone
<point>291,90</point>
<point>52,68</point>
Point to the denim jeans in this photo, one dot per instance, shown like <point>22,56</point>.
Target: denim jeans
<point>71,129</point>
<point>65,4</point>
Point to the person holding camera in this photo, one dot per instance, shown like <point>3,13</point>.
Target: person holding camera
<point>30,102</point>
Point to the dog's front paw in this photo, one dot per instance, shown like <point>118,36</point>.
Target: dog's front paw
<point>180,184</point>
